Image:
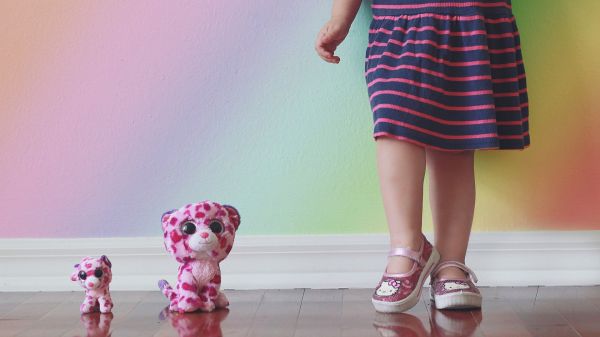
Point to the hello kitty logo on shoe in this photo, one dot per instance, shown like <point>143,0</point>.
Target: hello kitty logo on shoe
<point>198,236</point>
<point>388,288</point>
<point>455,285</point>
<point>94,275</point>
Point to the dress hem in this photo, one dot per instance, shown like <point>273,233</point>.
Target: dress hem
<point>433,147</point>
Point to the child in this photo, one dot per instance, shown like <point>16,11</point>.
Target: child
<point>444,79</point>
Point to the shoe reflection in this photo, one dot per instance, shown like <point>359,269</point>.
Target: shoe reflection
<point>455,323</point>
<point>97,324</point>
<point>205,324</point>
<point>399,325</point>
<point>443,323</point>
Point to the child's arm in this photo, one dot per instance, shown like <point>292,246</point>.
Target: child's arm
<point>335,30</point>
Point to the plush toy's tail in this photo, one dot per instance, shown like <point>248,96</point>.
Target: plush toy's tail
<point>166,289</point>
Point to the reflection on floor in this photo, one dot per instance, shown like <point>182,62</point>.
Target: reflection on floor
<point>506,312</point>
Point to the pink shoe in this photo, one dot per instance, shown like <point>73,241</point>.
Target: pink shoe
<point>454,293</point>
<point>400,292</point>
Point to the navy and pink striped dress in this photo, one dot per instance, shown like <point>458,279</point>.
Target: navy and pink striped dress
<point>447,75</point>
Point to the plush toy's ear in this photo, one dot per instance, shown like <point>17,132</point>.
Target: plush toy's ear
<point>75,274</point>
<point>106,260</point>
<point>165,218</point>
<point>234,215</point>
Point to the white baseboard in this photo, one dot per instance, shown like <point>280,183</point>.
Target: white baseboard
<point>306,261</point>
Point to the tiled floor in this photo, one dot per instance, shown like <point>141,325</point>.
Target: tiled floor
<point>506,312</point>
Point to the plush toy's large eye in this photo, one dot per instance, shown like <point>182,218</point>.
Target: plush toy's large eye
<point>82,275</point>
<point>216,227</point>
<point>188,228</point>
<point>98,273</point>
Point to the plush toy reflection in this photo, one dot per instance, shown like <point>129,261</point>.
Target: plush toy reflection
<point>94,275</point>
<point>196,324</point>
<point>198,236</point>
<point>97,325</point>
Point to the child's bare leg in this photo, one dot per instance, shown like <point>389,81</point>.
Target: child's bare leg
<point>401,167</point>
<point>452,201</point>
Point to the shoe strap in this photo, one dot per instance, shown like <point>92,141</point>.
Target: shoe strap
<point>457,264</point>
<point>411,254</point>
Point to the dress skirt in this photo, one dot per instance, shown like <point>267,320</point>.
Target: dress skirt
<point>447,75</point>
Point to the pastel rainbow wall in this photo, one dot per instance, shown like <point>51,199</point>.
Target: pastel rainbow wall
<point>112,112</point>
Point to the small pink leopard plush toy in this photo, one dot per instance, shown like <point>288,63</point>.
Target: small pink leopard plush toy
<point>199,236</point>
<point>94,275</point>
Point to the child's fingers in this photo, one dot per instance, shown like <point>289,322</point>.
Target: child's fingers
<point>326,55</point>
<point>335,59</point>
<point>323,49</point>
<point>325,46</point>
<point>332,59</point>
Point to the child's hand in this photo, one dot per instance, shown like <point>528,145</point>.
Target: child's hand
<point>331,35</point>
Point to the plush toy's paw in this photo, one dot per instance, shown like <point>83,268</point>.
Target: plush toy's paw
<point>173,306</point>
<point>221,301</point>
<point>195,304</point>
<point>105,309</point>
<point>208,306</point>
<point>87,307</point>
<point>106,304</point>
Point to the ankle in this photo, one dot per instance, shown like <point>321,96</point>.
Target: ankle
<point>412,241</point>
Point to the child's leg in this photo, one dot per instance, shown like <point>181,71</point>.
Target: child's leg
<point>401,167</point>
<point>452,201</point>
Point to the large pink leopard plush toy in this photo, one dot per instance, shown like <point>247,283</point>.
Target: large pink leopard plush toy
<point>94,275</point>
<point>199,236</point>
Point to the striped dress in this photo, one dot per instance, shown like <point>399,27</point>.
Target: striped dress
<point>447,75</point>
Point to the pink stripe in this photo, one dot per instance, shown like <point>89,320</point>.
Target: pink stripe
<point>435,119</point>
<point>505,50</point>
<point>445,46</point>
<point>504,35</point>
<point>430,72</point>
<point>445,17</point>
<point>428,86</point>
<point>526,133</point>
<point>509,79</point>
<point>506,65</point>
<point>506,94</point>
<point>430,42</point>
<point>427,56</point>
<point>511,94</point>
<point>508,109</point>
<point>425,28</point>
<point>515,108</point>
<point>500,20</point>
<point>520,122</point>
<point>433,133</point>
<point>432,102</point>
<point>438,60</point>
<point>444,4</point>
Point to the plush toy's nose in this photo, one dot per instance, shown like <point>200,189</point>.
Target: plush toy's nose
<point>204,235</point>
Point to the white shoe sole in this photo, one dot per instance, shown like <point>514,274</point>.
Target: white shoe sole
<point>457,300</point>
<point>413,298</point>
